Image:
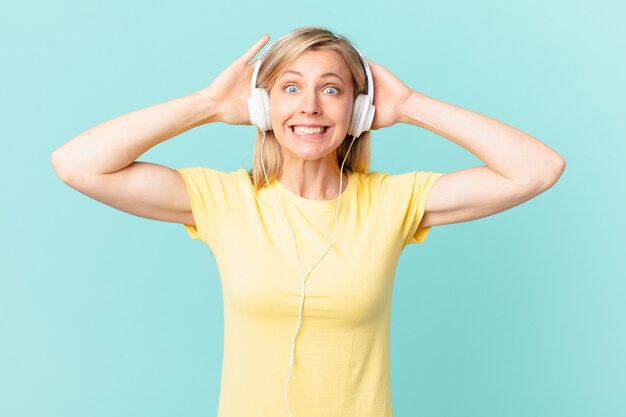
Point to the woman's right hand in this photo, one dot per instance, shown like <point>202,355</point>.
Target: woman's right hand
<point>229,91</point>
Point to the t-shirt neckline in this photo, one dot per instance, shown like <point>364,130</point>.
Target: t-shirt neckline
<point>316,204</point>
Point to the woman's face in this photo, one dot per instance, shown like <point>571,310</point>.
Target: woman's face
<point>315,90</point>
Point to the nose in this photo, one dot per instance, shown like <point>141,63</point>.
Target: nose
<point>310,103</point>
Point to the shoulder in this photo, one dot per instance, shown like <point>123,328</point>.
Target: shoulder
<point>400,188</point>
<point>387,181</point>
<point>212,174</point>
<point>214,181</point>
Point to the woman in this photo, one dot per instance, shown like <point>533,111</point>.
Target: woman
<point>310,184</point>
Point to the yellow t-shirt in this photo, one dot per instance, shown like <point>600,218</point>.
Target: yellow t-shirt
<point>341,359</point>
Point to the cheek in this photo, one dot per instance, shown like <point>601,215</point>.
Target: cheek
<point>346,107</point>
<point>279,111</point>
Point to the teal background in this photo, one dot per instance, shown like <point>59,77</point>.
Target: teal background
<point>518,314</point>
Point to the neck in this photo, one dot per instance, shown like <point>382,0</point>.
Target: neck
<point>314,181</point>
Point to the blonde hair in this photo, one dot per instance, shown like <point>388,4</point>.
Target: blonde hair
<point>282,55</point>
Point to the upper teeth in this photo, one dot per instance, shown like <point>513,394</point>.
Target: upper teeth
<point>308,130</point>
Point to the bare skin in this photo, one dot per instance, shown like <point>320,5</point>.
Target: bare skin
<point>517,166</point>
<point>102,161</point>
<point>310,166</point>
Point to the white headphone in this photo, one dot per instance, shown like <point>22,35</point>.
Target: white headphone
<point>362,112</point>
<point>361,121</point>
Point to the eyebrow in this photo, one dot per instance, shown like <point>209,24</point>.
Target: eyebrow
<point>326,74</point>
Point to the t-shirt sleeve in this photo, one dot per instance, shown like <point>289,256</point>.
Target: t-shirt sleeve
<point>211,194</point>
<point>419,187</point>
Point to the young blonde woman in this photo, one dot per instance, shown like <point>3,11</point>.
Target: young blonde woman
<point>308,220</point>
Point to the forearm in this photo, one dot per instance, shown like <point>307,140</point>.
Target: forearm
<point>506,150</point>
<point>116,143</point>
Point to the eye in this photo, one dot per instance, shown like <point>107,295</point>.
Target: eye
<point>290,86</point>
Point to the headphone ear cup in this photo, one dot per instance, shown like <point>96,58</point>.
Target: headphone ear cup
<point>259,108</point>
<point>356,122</point>
<point>369,115</point>
<point>266,108</point>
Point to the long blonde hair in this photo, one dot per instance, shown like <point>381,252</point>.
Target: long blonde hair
<point>283,54</point>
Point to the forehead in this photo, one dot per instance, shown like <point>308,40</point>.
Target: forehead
<point>318,62</point>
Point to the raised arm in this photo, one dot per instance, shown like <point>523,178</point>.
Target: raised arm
<point>101,162</point>
<point>517,165</point>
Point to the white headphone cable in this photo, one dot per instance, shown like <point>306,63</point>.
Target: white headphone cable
<point>296,250</point>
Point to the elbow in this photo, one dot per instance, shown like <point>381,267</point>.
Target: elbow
<point>559,168</point>
<point>552,174</point>
<point>553,165</point>
<point>543,178</point>
<point>541,173</point>
<point>56,159</point>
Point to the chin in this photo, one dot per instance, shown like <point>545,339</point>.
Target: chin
<point>311,154</point>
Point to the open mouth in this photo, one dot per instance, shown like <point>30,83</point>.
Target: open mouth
<point>310,133</point>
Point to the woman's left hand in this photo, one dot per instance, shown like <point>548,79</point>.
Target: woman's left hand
<point>390,94</point>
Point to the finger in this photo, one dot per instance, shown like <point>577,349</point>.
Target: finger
<point>250,53</point>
